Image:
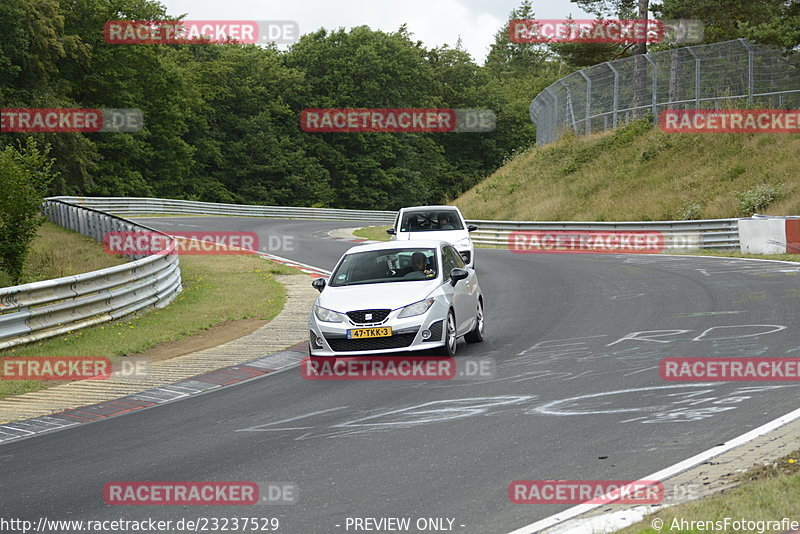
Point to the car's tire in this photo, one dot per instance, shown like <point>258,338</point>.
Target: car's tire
<point>450,336</point>
<point>476,334</point>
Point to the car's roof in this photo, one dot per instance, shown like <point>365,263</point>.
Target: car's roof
<point>427,208</point>
<point>392,245</point>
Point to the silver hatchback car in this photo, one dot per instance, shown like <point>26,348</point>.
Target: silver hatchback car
<point>396,296</point>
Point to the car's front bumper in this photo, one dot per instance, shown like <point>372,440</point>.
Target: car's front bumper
<point>408,334</point>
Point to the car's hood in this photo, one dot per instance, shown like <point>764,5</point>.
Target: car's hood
<point>449,236</point>
<point>390,295</point>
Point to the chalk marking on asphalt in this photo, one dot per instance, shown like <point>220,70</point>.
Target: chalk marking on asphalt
<point>260,428</point>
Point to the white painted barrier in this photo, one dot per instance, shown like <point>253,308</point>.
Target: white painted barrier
<point>769,235</point>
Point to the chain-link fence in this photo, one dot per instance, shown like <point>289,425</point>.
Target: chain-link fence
<point>731,74</point>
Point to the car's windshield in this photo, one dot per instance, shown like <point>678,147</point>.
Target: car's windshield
<point>379,266</point>
<point>430,221</point>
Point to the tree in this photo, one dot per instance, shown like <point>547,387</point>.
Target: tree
<point>627,9</point>
<point>507,58</point>
<point>25,174</point>
<point>363,68</point>
<point>771,22</point>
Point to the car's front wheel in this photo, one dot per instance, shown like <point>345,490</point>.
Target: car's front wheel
<point>450,335</point>
<point>476,334</point>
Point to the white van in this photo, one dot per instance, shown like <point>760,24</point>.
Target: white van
<point>443,223</point>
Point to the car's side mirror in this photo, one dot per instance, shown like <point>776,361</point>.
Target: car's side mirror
<point>471,228</point>
<point>318,284</point>
<point>390,231</point>
<point>457,274</point>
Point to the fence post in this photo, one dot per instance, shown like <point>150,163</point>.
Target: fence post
<point>616,92</point>
<point>696,77</point>
<point>588,101</point>
<point>655,87</point>
<point>569,111</point>
<point>750,70</point>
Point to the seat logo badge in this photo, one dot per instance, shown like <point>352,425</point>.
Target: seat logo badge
<point>368,316</point>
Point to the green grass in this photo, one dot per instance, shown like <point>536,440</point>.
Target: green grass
<point>641,173</point>
<point>57,252</point>
<point>766,493</point>
<point>216,290</point>
<point>377,233</point>
<point>734,254</point>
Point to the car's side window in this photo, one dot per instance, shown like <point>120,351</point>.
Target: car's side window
<point>457,259</point>
<point>448,262</point>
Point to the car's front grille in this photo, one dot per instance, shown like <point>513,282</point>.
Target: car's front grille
<point>342,344</point>
<point>436,331</point>
<point>368,316</point>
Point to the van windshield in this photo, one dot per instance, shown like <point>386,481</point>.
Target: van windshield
<point>430,221</point>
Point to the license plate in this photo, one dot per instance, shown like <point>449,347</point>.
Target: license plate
<point>361,333</point>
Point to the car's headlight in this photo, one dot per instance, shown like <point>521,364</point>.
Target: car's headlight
<point>327,316</point>
<point>462,242</point>
<point>418,308</point>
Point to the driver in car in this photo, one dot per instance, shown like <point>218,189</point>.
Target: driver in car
<point>445,222</point>
<point>419,263</point>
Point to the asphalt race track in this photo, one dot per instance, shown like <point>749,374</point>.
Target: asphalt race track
<point>577,396</point>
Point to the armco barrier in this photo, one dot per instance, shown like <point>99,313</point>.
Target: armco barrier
<point>139,206</point>
<point>39,310</point>
<point>679,235</point>
<point>42,309</point>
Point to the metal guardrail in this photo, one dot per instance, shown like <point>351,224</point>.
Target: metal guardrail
<point>686,235</point>
<point>39,310</point>
<point>139,206</point>
<point>678,235</point>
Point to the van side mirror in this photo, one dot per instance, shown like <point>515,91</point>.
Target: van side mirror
<point>471,228</point>
<point>390,231</point>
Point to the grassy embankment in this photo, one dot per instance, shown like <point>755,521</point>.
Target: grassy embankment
<point>638,173</point>
<point>221,295</point>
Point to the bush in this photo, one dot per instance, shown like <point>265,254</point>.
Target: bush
<point>25,174</point>
<point>757,199</point>
<point>691,211</point>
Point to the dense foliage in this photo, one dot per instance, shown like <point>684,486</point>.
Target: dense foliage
<point>222,120</point>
